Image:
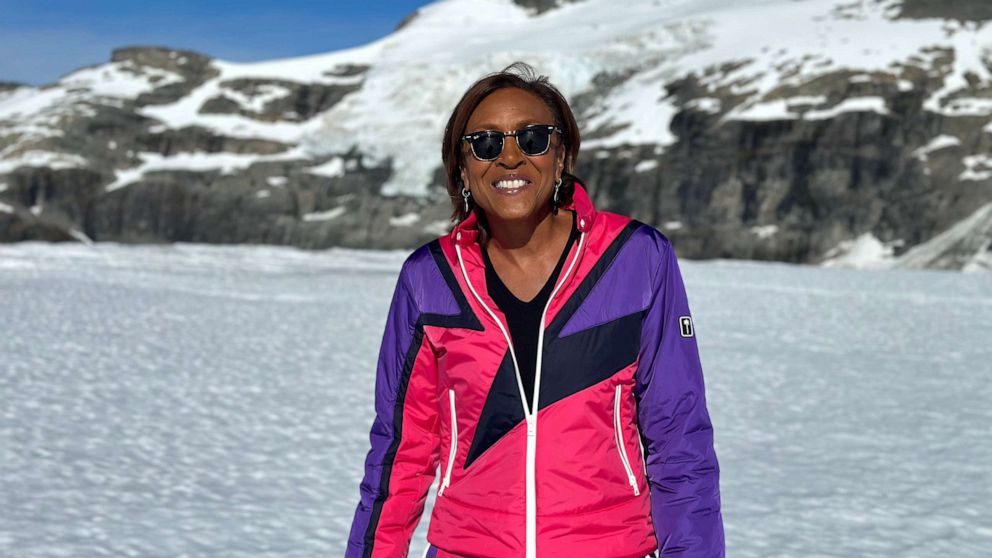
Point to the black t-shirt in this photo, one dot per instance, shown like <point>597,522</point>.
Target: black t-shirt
<point>524,318</point>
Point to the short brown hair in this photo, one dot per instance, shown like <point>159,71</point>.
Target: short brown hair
<point>521,76</point>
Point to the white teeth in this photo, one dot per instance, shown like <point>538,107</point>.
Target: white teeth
<point>511,184</point>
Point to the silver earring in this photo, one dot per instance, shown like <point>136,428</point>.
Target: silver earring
<point>557,185</point>
<point>466,195</point>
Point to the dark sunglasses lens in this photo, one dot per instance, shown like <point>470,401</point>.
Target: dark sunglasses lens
<point>487,146</point>
<point>534,141</point>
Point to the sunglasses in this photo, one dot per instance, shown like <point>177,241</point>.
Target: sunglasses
<point>532,140</point>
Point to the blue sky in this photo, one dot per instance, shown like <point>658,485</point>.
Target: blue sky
<point>41,40</point>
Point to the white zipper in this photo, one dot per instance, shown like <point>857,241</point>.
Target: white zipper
<point>531,418</point>
<point>454,444</point>
<point>620,446</point>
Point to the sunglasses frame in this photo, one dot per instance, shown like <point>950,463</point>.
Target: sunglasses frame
<point>471,137</point>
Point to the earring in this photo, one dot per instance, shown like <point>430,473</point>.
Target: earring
<point>466,195</point>
<point>554,199</point>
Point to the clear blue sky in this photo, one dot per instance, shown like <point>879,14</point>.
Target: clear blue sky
<point>41,40</point>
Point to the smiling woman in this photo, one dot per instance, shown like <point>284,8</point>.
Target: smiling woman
<point>545,359</point>
<point>507,102</point>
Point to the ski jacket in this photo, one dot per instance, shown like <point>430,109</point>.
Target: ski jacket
<point>618,459</point>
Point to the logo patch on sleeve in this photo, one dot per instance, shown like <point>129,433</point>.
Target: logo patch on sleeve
<point>685,326</point>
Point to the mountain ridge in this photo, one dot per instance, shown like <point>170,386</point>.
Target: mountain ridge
<point>785,147</point>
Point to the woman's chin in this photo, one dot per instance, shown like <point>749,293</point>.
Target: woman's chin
<point>516,212</point>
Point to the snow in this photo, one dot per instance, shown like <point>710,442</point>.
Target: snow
<point>851,104</point>
<point>404,220</point>
<point>123,79</point>
<point>28,101</point>
<point>422,72</point>
<point>186,112</point>
<point>646,165</point>
<point>225,162</point>
<point>704,104</point>
<point>332,168</point>
<point>981,263</point>
<point>764,231</point>
<point>977,167</point>
<point>4,208</point>
<point>785,109</point>
<point>966,245</point>
<point>307,69</point>
<point>80,236</point>
<point>973,235</point>
<point>332,213</point>
<point>818,40</point>
<point>190,400</point>
<point>277,181</point>
<point>265,93</point>
<point>29,114</point>
<point>777,109</point>
<point>312,68</point>
<point>38,158</point>
<point>863,252</point>
<point>936,144</point>
<point>969,106</point>
<point>672,225</point>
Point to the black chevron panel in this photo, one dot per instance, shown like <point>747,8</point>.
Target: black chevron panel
<point>588,357</point>
<point>573,363</point>
<point>502,411</point>
<point>570,364</point>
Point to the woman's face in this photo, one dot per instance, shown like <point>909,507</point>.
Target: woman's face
<point>506,110</point>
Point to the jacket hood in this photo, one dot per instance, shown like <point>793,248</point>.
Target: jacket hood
<point>467,231</point>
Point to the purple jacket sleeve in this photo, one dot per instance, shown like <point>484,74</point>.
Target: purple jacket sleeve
<point>682,467</point>
<point>401,463</point>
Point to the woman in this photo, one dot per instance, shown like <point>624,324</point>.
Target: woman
<point>543,354</point>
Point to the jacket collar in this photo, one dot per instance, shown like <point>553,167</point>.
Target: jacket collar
<point>467,231</point>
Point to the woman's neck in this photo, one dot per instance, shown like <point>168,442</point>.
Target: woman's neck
<point>522,241</point>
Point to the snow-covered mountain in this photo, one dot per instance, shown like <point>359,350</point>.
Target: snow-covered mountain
<point>835,131</point>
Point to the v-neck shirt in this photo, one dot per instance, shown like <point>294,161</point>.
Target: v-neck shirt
<point>524,318</point>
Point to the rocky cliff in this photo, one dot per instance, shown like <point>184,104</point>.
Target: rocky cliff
<point>823,131</point>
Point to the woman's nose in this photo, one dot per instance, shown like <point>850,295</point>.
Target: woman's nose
<point>510,157</point>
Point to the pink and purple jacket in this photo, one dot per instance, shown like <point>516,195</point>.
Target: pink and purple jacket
<point>618,459</point>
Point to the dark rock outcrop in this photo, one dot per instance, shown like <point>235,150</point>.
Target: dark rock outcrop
<point>293,102</point>
<point>538,7</point>
<point>193,67</point>
<point>962,10</point>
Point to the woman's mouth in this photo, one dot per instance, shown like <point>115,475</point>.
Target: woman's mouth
<point>510,187</point>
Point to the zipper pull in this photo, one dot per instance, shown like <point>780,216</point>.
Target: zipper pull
<point>531,429</point>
